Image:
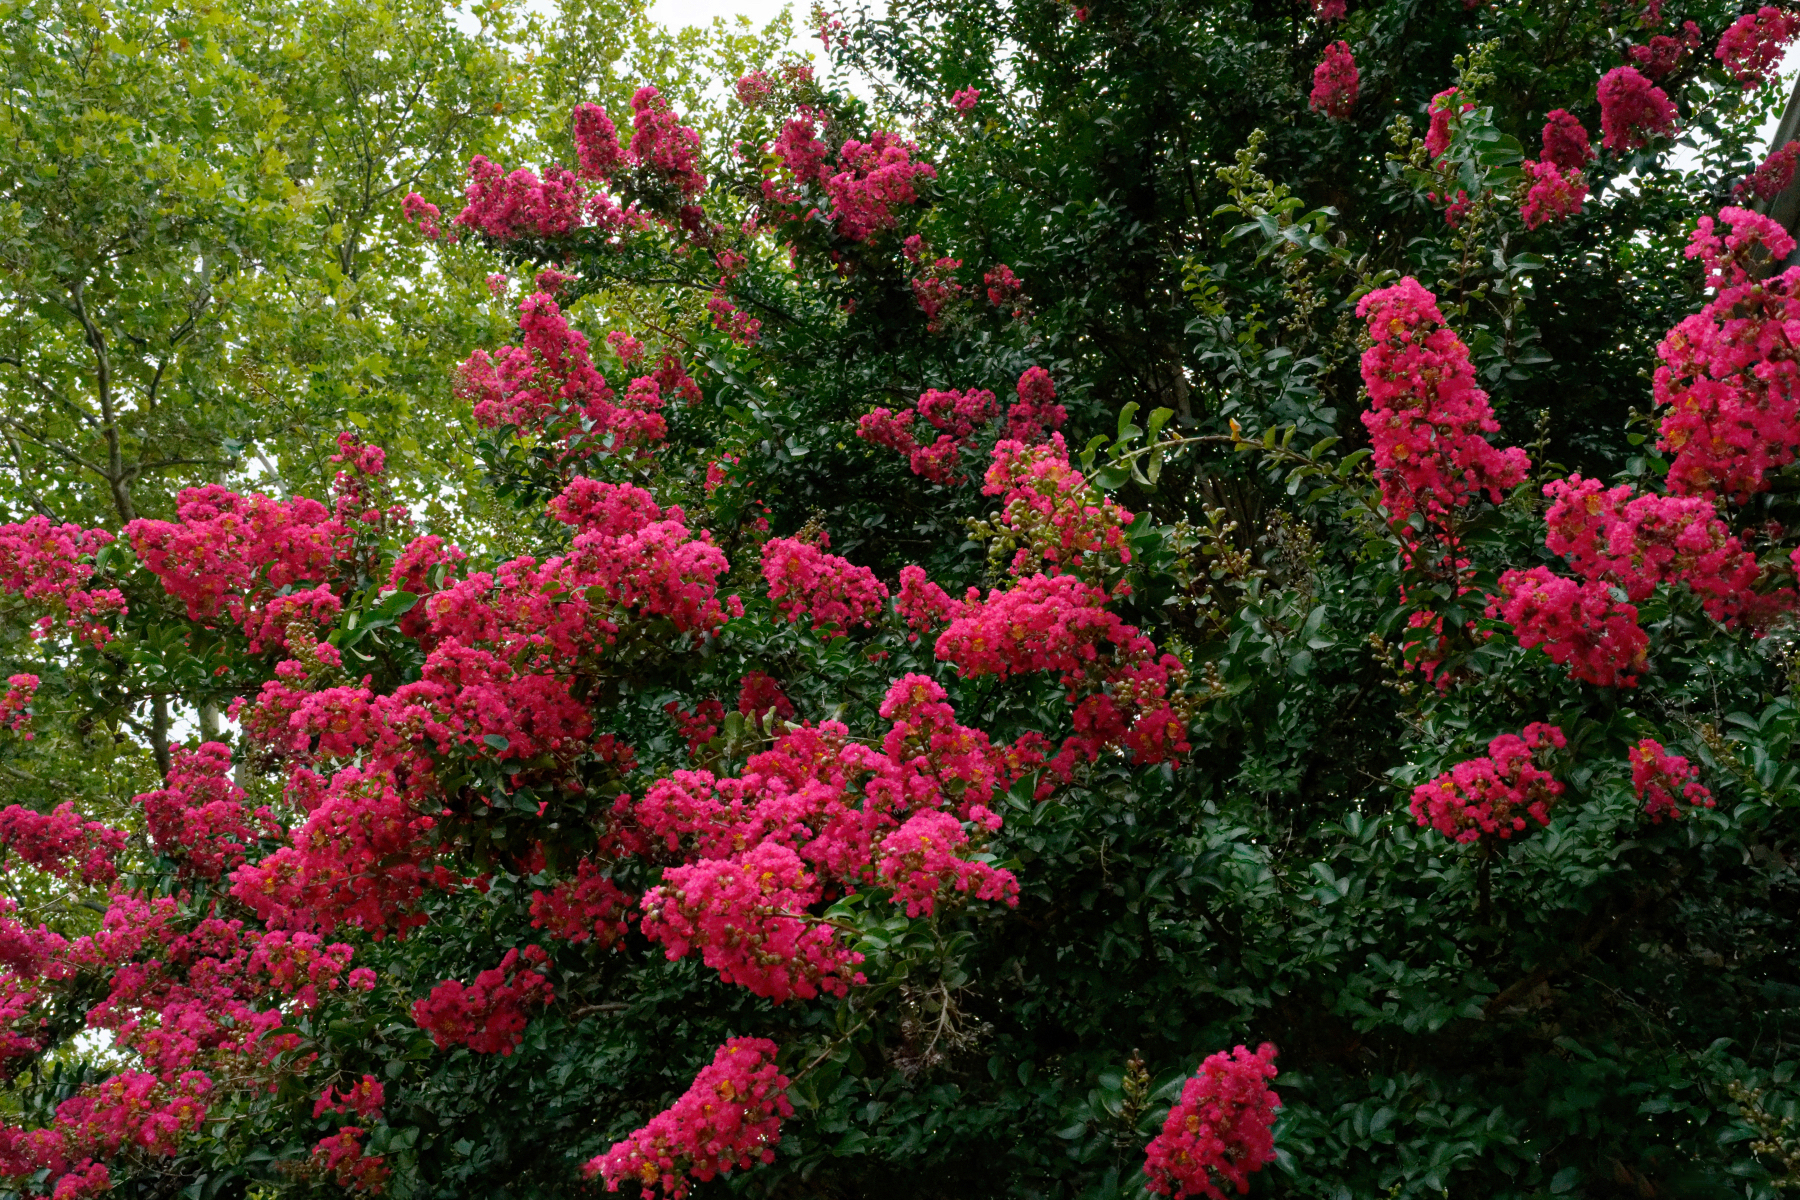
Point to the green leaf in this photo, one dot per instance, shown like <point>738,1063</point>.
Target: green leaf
<point>1125,425</point>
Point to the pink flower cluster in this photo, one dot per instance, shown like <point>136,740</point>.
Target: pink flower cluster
<point>597,151</point>
<point>920,863</point>
<point>1062,522</point>
<point>43,563</point>
<point>177,990</point>
<point>1219,1131</point>
<point>200,819</point>
<point>232,553</point>
<point>420,212</point>
<point>1036,414</point>
<point>1633,111</point>
<point>503,647</point>
<point>759,693</point>
<point>1566,142</point>
<point>15,706</point>
<point>487,1016</point>
<point>965,100</point>
<point>1004,288</point>
<point>1444,109</point>
<point>1580,625</point>
<point>507,205</point>
<point>732,321</point>
<point>819,810</point>
<point>922,604</point>
<point>743,914</point>
<point>1772,177</point>
<point>1427,416</point>
<point>1044,623</point>
<point>1663,54</point>
<point>1638,542</point>
<point>662,145</point>
<point>957,416</point>
<point>340,1159</point>
<point>806,581</point>
<point>1492,796</point>
<point>364,1098</point>
<point>131,1109</point>
<point>360,858</point>
<point>1664,781</point>
<point>700,726</point>
<point>934,288</point>
<point>1117,681</point>
<point>1335,82</point>
<point>586,906</point>
<point>62,843</point>
<point>664,156</point>
<point>730,1117</point>
<point>754,89</point>
<point>871,178</point>
<point>86,1179</point>
<point>1551,194</point>
<point>1729,375</point>
<point>1752,48</point>
<point>548,388</point>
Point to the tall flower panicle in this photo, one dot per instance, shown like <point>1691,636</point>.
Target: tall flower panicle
<point>662,145</point>
<point>1036,414</point>
<point>1566,142</point>
<point>1444,109</point>
<point>1633,111</point>
<point>597,150</point>
<point>1427,417</point>
<point>1219,1132</point>
<point>1335,82</point>
<point>1729,376</point>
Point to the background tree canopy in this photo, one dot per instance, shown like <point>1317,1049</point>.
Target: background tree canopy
<point>884,557</point>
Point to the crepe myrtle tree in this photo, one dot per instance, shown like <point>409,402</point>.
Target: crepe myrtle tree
<point>890,769</point>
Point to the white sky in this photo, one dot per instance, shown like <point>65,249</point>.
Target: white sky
<point>701,12</point>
